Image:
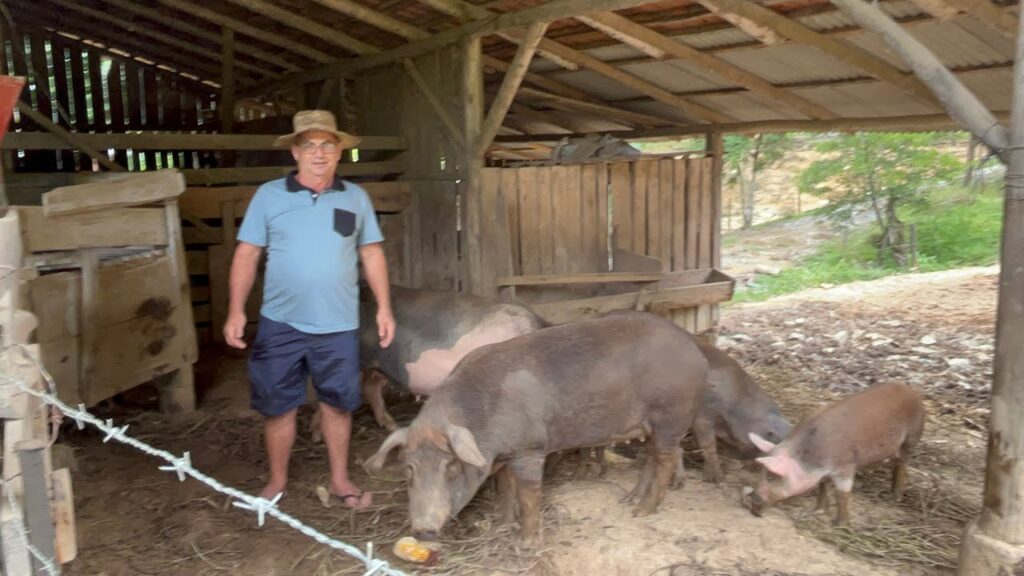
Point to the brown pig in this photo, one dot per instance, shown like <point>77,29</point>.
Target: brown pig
<point>507,405</point>
<point>881,423</point>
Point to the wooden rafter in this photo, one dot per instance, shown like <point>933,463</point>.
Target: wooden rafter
<point>374,18</point>
<point>988,13</point>
<point>240,27</point>
<point>958,101</point>
<point>601,110</point>
<point>554,10</point>
<point>325,33</point>
<point>633,82</point>
<point>29,22</point>
<point>96,32</point>
<point>560,122</point>
<point>938,9</point>
<point>918,122</point>
<point>540,81</point>
<point>510,85</point>
<point>466,12</point>
<point>613,23</point>
<point>843,51</point>
<point>177,24</point>
<point>164,39</point>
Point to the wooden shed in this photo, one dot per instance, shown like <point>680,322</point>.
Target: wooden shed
<point>463,108</point>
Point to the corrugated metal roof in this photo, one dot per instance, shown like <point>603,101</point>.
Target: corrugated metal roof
<point>954,46</point>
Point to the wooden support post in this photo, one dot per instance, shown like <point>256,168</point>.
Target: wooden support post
<point>509,86</point>
<point>472,164</point>
<point>993,544</point>
<point>227,81</point>
<point>37,500</point>
<point>87,320</point>
<point>961,104</point>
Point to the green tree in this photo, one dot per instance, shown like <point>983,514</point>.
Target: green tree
<point>746,157</point>
<point>883,169</point>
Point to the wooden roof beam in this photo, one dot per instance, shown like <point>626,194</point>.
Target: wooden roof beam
<point>601,110</point>
<point>46,26</point>
<point>534,115</point>
<point>613,23</point>
<point>554,10</point>
<point>961,104</point>
<point>178,24</point>
<point>691,109</point>
<point>242,28</point>
<point>918,122</point>
<point>540,81</point>
<point>315,29</point>
<point>983,10</point>
<point>86,29</point>
<point>160,37</point>
<point>843,51</point>
<point>374,18</point>
<point>466,12</point>
<point>510,85</point>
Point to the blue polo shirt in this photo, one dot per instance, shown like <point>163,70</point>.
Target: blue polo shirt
<point>311,281</point>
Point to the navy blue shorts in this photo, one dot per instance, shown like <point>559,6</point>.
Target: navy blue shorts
<point>282,358</point>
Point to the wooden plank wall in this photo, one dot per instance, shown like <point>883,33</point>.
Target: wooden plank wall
<point>431,252</point>
<point>559,219</point>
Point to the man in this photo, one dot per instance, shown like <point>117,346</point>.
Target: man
<point>315,228</point>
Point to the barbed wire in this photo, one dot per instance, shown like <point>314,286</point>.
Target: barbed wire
<point>183,466</point>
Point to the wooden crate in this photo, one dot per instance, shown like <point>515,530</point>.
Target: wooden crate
<point>111,290</point>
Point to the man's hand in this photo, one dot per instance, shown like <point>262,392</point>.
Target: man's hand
<point>385,326</point>
<point>234,328</point>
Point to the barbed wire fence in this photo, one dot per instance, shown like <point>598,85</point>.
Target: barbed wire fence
<point>182,466</point>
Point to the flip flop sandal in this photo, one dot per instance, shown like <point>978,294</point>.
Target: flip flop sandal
<point>326,497</point>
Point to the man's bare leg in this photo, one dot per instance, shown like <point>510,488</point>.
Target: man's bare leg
<point>336,426</point>
<point>279,435</point>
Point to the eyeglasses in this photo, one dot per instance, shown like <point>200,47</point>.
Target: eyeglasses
<point>325,147</point>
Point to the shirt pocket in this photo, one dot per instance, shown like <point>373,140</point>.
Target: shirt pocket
<point>344,222</point>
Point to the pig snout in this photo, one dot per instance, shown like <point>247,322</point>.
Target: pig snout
<point>427,536</point>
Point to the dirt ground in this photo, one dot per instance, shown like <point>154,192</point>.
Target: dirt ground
<point>933,331</point>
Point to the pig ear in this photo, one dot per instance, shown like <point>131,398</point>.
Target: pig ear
<point>395,440</point>
<point>465,446</point>
<point>762,444</point>
<point>775,464</point>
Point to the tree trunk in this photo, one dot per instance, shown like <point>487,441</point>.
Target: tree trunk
<point>747,189</point>
<point>893,238</point>
<point>972,147</point>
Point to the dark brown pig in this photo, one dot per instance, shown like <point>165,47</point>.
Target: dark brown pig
<point>434,330</point>
<point>881,423</point>
<point>734,407</point>
<point>507,405</point>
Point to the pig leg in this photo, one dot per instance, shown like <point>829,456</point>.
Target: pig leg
<point>679,477</point>
<point>602,462</point>
<point>843,482</point>
<point>666,462</point>
<point>552,463</point>
<point>373,383</point>
<point>705,433</point>
<point>646,475</point>
<point>527,472</point>
<point>899,479</point>
<point>506,496</point>
<point>822,505</point>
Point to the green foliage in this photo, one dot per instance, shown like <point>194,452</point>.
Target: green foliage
<point>747,156</point>
<point>954,229</point>
<point>878,166</point>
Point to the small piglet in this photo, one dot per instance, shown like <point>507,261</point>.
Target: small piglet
<point>883,422</point>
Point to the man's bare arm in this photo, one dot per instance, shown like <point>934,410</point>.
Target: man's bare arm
<point>244,265</point>
<point>375,267</point>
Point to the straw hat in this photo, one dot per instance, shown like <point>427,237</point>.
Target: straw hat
<point>306,120</point>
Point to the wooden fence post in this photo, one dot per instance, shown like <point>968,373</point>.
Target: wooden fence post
<point>41,534</point>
